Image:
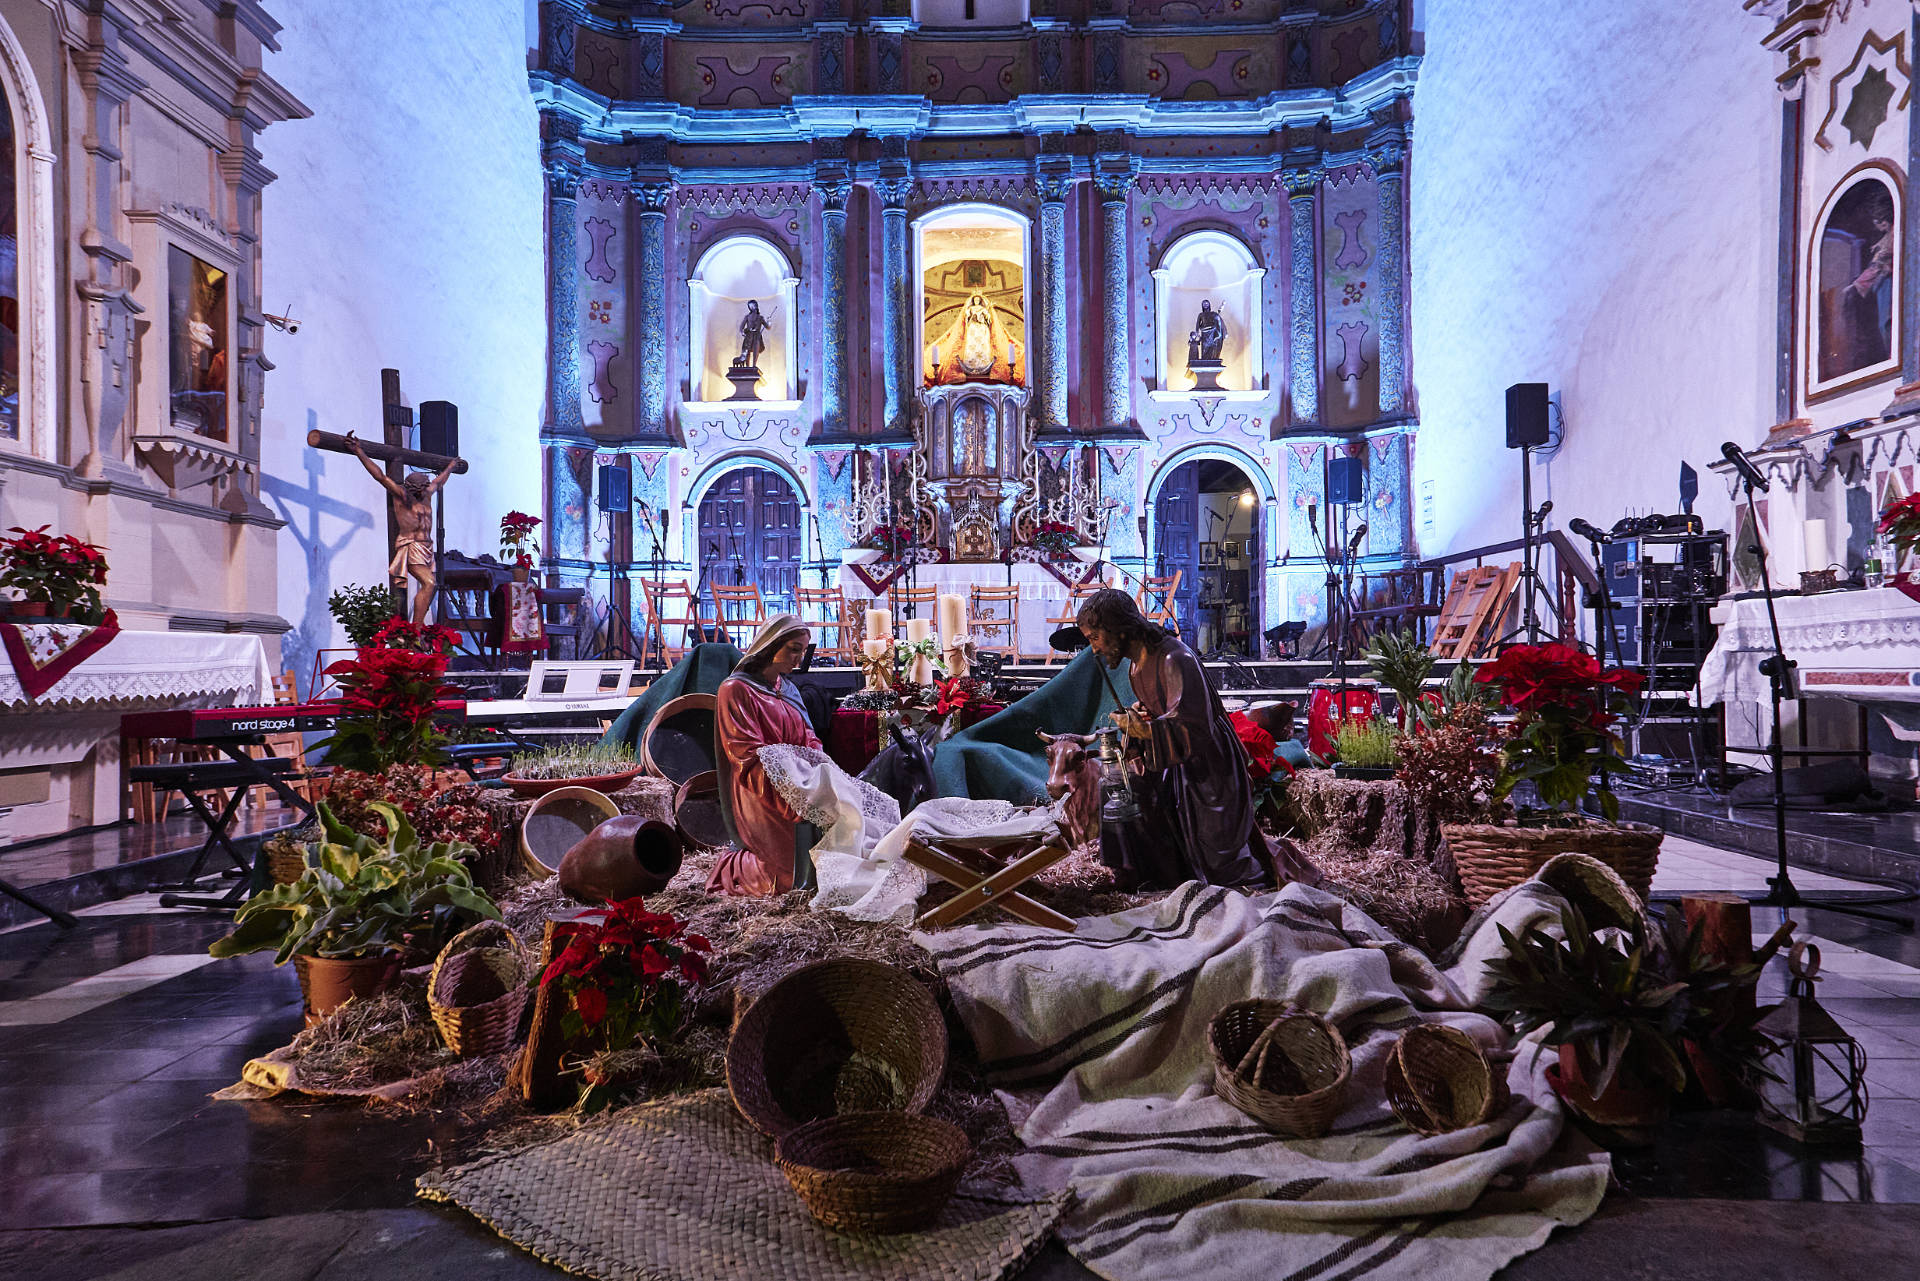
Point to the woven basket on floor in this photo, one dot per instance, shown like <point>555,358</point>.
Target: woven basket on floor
<point>1492,858</point>
<point>286,861</point>
<point>478,989</point>
<point>1439,1080</point>
<point>1284,1067</point>
<point>834,1037</point>
<point>873,1172</point>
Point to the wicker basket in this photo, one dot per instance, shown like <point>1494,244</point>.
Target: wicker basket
<point>1493,858</point>
<point>478,989</point>
<point>835,1037</point>
<point>1284,1067</point>
<point>874,1172</point>
<point>1439,1080</point>
<point>286,860</point>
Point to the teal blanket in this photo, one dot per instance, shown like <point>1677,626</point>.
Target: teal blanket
<point>1002,758</point>
<point>700,672</point>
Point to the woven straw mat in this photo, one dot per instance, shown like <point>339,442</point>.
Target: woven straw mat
<point>685,1190</point>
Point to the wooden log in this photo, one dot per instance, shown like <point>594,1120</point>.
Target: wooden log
<point>333,442</point>
<point>1725,922</point>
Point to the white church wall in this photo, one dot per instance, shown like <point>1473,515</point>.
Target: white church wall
<point>405,231</point>
<point>1594,205</point>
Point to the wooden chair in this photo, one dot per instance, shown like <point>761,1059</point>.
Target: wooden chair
<point>739,611</point>
<point>291,747</point>
<point>1470,617</point>
<point>824,609</point>
<point>925,600</point>
<point>670,605</point>
<point>465,594</point>
<point>983,621</point>
<point>1070,614</point>
<point>561,608</point>
<point>1156,599</point>
<point>1395,598</point>
<point>992,875</point>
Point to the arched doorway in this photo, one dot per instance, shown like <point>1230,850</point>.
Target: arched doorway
<point>1206,523</point>
<point>750,532</point>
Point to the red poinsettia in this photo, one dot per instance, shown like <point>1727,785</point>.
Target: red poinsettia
<point>387,693</point>
<point>1264,761</point>
<point>1568,704</point>
<point>1901,519</point>
<point>57,569</point>
<point>625,973</point>
<point>516,536</point>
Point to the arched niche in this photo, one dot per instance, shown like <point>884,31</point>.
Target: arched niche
<point>972,258</point>
<point>1854,285</point>
<point>970,13</point>
<point>731,273</point>
<point>31,426</point>
<point>1218,268</point>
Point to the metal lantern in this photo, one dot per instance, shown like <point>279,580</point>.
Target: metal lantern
<point>1117,803</point>
<point>1818,1091</point>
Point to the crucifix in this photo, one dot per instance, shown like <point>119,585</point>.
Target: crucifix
<point>414,526</point>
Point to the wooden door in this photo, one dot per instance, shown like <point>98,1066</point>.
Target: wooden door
<point>750,532</point>
<point>1176,539</point>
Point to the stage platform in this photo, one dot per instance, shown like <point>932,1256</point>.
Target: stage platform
<point>1883,847</point>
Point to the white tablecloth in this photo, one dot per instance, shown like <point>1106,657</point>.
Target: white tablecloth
<point>213,668</point>
<point>1859,645</point>
<point>1041,594</point>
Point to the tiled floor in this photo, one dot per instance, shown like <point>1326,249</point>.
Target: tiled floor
<point>38,863</point>
<point>113,1036</point>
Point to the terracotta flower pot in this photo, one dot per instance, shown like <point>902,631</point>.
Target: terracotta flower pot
<point>28,608</point>
<point>327,982</point>
<point>1632,1112</point>
<point>625,857</point>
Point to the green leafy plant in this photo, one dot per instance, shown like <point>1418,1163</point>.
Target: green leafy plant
<point>361,897</point>
<point>1402,663</point>
<point>1721,1016</point>
<point>1567,705</point>
<point>575,760</point>
<point>361,611</point>
<point>1613,1005</point>
<point>1450,764</point>
<point>1365,744</point>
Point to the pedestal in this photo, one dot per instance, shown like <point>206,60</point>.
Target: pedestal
<point>744,380</point>
<point>1206,374</point>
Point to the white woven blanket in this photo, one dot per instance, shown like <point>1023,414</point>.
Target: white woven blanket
<point>1098,1040</point>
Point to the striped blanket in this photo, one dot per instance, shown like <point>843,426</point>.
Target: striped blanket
<point>1097,1043</point>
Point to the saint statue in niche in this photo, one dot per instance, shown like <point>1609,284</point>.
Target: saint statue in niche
<point>976,348</point>
<point>1208,336</point>
<point>753,327</point>
<point>1859,250</point>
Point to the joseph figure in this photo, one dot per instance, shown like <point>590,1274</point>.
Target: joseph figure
<point>1185,763</point>
<point>413,527</point>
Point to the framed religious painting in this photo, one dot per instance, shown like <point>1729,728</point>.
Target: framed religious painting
<point>1230,550</point>
<point>1854,317</point>
<point>1209,553</point>
<point>198,336</point>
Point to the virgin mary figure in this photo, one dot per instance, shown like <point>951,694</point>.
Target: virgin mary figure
<point>976,348</point>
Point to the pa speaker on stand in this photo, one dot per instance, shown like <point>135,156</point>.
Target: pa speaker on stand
<point>615,496</point>
<point>1528,427</point>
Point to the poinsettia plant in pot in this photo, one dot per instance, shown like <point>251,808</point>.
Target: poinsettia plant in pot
<point>891,539</point>
<point>1056,538</point>
<point>625,974</point>
<point>56,575</point>
<point>1269,771</point>
<point>387,693</point>
<point>518,546</point>
<point>1565,706</point>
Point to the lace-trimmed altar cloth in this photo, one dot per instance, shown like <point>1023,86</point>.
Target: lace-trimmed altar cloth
<point>180,668</point>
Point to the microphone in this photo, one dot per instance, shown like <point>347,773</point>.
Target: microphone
<point>1353,544</point>
<point>1313,517</point>
<point>1588,532</point>
<point>1748,472</point>
<point>1540,517</point>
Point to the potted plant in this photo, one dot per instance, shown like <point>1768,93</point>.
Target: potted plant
<point>1056,538</point>
<point>358,907</point>
<point>889,538</point>
<point>605,767</point>
<point>624,975</point>
<point>517,543</point>
<point>1720,1035</point>
<point>361,611</point>
<point>1365,750</point>
<point>387,693</point>
<point>1402,663</point>
<point>1565,706</point>
<point>1269,771</point>
<point>1615,1017</point>
<point>56,575</point>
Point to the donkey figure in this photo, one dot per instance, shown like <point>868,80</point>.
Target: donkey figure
<point>903,769</point>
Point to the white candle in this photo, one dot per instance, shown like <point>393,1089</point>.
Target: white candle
<point>1819,556</point>
<point>877,647</point>
<point>921,671</point>
<point>879,624</point>
<point>919,629</point>
<point>952,614</point>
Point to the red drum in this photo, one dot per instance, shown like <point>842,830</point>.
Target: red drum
<point>1329,707</point>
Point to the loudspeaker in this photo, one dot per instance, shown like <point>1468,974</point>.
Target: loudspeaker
<point>440,428</point>
<point>1526,415</point>
<point>616,489</point>
<point>1345,479</point>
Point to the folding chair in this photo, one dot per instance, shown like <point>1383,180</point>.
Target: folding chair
<point>981,621</point>
<point>824,609</point>
<point>923,599</point>
<point>1076,597</point>
<point>1470,617</point>
<point>1156,599</point>
<point>990,875</point>
<point>749,611</point>
<point>660,600</point>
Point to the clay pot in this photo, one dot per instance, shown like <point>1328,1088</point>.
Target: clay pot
<point>328,982</point>
<point>624,857</point>
<point>1631,1112</point>
<point>27,608</point>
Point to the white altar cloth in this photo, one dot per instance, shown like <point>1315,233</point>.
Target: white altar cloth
<point>144,667</point>
<point>1042,596</point>
<point>1863,646</point>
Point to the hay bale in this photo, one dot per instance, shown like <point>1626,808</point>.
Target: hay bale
<point>1410,898</point>
<point>1348,818</point>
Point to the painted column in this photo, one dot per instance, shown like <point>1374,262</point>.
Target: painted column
<point>1052,383</point>
<point>1791,123</point>
<point>650,201</point>
<point>896,326</point>
<point>561,157</point>
<point>1116,381</point>
<point>1389,157</point>
<point>834,188</point>
<point>1303,290</point>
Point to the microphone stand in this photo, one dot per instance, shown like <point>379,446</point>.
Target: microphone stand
<point>1779,669</point>
<point>1602,606</point>
<point>655,644</point>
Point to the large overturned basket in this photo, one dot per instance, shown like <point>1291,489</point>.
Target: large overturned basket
<point>678,743</point>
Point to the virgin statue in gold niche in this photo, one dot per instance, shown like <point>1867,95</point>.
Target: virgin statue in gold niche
<point>976,348</point>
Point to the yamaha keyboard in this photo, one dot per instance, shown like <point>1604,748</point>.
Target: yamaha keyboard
<point>211,724</point>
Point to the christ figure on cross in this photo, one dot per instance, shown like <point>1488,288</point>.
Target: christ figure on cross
<point>413,527</point>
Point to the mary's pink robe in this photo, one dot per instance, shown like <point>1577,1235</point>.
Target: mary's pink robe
<point>748,716</point>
